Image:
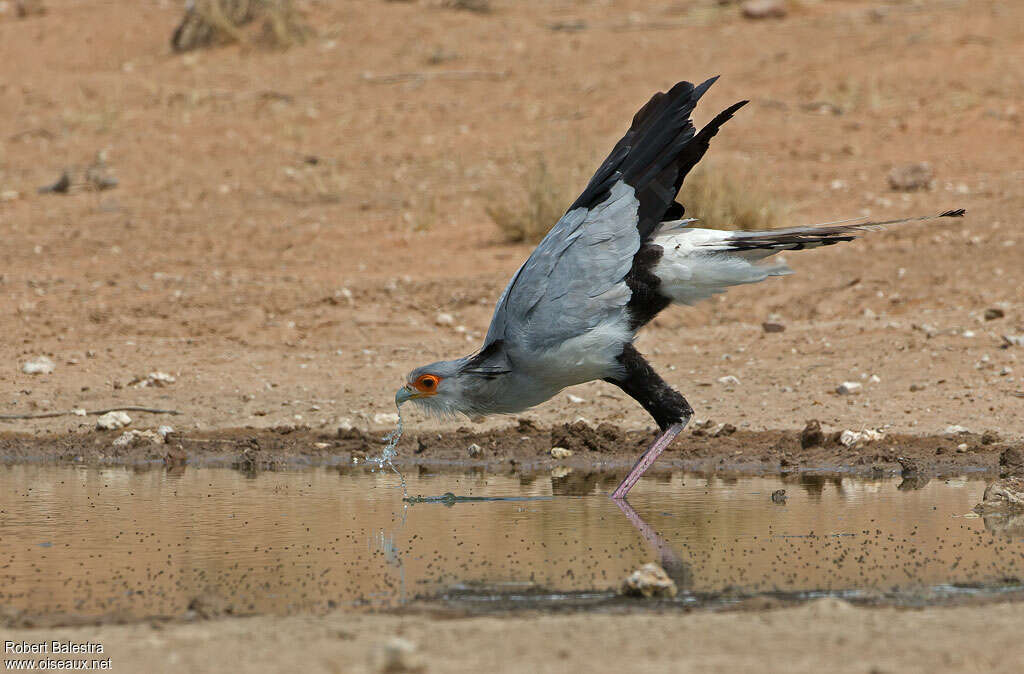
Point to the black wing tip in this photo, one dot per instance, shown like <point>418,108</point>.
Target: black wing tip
<point>955,213</point>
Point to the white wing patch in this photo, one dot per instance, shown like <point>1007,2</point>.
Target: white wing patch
<point>696,265</point>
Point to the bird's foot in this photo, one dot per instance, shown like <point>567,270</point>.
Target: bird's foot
<point>648,457</point>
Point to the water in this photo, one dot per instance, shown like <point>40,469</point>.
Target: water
<point>125,542</point>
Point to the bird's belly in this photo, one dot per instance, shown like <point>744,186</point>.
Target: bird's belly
<point>586,357</point>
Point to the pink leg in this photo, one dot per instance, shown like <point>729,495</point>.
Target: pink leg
<point>645,461</point>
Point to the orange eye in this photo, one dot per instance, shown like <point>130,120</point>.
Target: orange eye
<point>427,383</point>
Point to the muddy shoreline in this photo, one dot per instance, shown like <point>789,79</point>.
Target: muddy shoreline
<point>525,447</point>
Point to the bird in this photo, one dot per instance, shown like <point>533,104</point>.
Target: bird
<point>622,253</point>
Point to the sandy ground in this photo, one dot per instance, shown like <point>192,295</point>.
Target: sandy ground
<point>962,639</point>
<point>286,230</point>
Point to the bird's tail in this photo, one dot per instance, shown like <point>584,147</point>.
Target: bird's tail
<point>698,263</point>
<point>811,236</point>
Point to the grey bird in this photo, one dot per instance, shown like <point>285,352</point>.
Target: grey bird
<point>620,255</point>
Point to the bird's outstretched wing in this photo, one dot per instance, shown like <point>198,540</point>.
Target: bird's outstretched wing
<point>575,280</point>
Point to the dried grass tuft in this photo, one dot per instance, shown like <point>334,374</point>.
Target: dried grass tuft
<point>209,23</point>
<point>720,197</point>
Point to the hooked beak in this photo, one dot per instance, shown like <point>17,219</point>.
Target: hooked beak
<point>405,393</point>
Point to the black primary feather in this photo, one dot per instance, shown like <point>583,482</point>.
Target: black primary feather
<point>655,155</point>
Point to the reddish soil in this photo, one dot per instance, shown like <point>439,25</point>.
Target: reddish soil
<point>286,229</point>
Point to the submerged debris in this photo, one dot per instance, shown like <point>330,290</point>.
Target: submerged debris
<point>649,581</point>
<point>779,496</point>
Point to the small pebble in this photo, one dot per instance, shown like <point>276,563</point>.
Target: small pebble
<point>112,421</point>
<point>848,388</point>
<point>475,450</point>
<point>560,453</point>
<point>38,365</point>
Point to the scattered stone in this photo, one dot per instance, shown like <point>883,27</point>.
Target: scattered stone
<point>729,380</point>
<point>345,425</point>
<point>992,313</point>
<point>164,431</point>
<point>385,418</point>
<point>560,453</point>
<point>396,656</point>
<point>444,319</point>
<point>722,429</point>
<point>764,9</point>
<point>27,8</point>
<point>779,496</point>
<point>848,388</point>
<point>911,177</point>
<point>773,327</point>
<point>61,186</point>
<point>914,388</point>
<point>133,437</point>
<point>1011,462</point>
<point>989,437</point>
<point>576,400</point>
<point>812,435</point>
<point>1013,340</point>
<point>851,439</point>
<point>112,421</point>
<point>650,580</point>
<point>875,379</point>
<point>475,450</point>
<point>1005,495</point>
<point>78,412</point>
<point>700,428</point>
<point>154,379</point>
<point>910,466</point>
<point>38,365</point>
<point>955,430</point>
<point>580,437</point>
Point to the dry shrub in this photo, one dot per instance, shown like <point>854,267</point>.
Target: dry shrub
<point>729,197</point>
<point>215,22</point>
<point>541,202</point>
<point>720,197</point>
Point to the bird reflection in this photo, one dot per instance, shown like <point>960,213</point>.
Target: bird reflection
<point>676,568</point>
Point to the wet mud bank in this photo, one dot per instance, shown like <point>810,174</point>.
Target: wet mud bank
<point>526,447</point>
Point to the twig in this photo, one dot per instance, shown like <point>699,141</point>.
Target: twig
<point>47,415</point>
<point>435,75</point>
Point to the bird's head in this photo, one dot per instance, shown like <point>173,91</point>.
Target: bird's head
<point>439,388</point>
